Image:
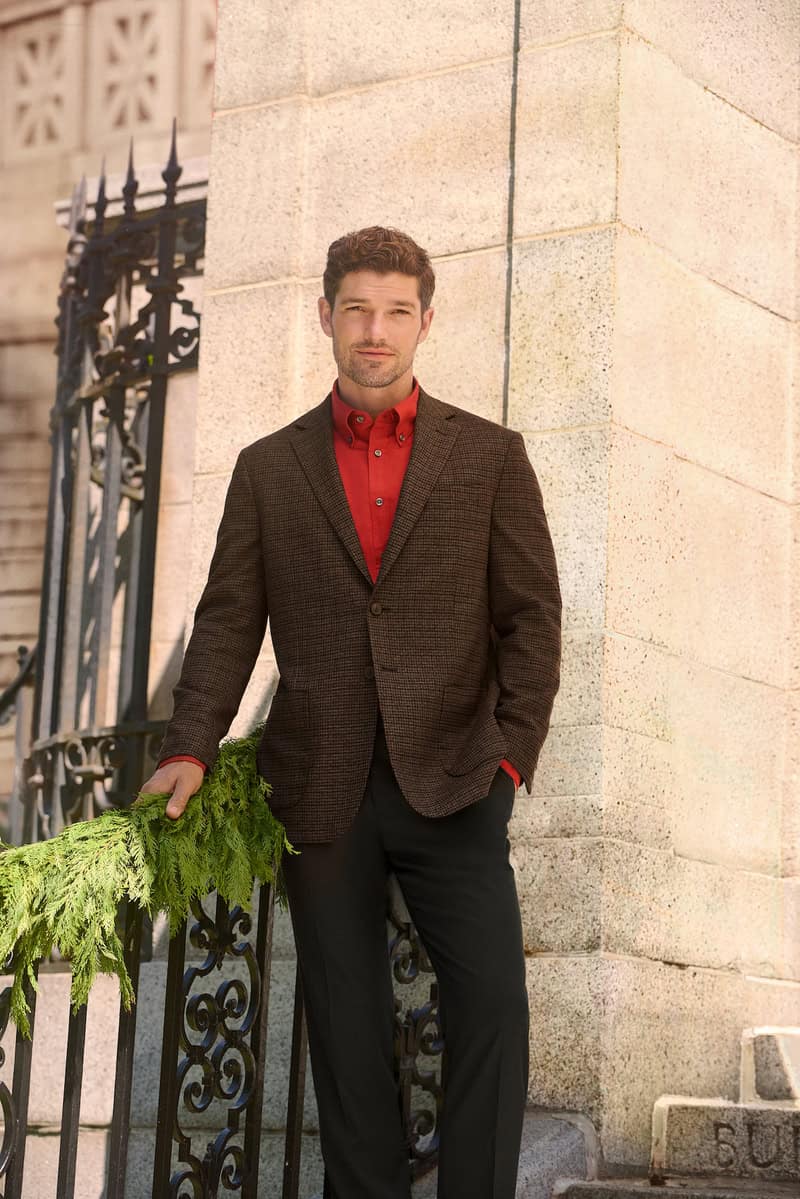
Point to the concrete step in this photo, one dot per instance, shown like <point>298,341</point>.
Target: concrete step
<point>717,1138</point>
<point>622,1188</point>
<point>770,1066</point>
<point>552,1146</point>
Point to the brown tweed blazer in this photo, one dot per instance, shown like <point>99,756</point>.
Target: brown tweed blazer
<point>459,640</point>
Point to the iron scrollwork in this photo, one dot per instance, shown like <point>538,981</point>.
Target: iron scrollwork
<point>417,1038</point>
<point>218,1062</point>
<point>6,1098</point>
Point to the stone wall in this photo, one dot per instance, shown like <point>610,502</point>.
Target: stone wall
<point>610,198</point>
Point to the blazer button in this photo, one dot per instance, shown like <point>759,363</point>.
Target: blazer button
<point>376,607</point>
<point>369,673</point>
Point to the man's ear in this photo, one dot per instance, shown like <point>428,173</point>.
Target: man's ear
<point>324,309</point>
<point>427,317</point>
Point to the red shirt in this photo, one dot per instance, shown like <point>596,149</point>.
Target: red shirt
<point>372,454</point>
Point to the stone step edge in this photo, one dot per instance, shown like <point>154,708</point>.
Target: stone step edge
<point>664,1166</point>
<point>683,1187</point>
<point>687,1187</point>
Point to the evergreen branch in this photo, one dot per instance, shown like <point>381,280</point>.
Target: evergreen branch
<point>66,892</point>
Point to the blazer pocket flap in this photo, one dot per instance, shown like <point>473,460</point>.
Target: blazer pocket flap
<point>468,732</point>
<point>284,740</point>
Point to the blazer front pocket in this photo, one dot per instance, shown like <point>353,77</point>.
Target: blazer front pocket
<point>283,756</point>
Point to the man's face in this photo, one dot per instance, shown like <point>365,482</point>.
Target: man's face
<point>376,325</point>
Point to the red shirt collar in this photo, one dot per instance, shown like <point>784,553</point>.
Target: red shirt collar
<point>404,414</point>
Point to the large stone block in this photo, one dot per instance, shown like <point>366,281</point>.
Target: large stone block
<point>173,558</point>
<point>49,1052</point>
<point>640,572</point>
<point>791,795</point>
<point>717,1138</point>
<point>572,468</point>
<point>430,156</point>
<point>638,788</point>
<point>731,571</point>
<point>793,640</point>
<point>565,154</point>
<point>770,1068</point>
<point>609,1034</point>
<point>571,761</point>
<point>662,906</point>
<point>260,52</point>
<point>462,360</point>
<point>637,687</point>
<point>249,370</point>
<point>562,321</point>
<point>688,358</point>
<point>256,185</point>
<point>746,53</point>
<point>728,768</point>
<point>41,1164</point>
<point>396,40</point>
<point>544,21</point>
<point>559,880</point>
<point>579,699</point>
<point>705,181</point>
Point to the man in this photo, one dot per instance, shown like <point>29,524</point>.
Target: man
<point>399,547</point>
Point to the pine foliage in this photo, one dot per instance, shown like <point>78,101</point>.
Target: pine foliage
<point>66,893</point>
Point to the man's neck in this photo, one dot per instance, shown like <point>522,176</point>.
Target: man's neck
<point>375,399</point>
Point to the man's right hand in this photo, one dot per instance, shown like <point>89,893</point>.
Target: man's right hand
<point>180,780</point>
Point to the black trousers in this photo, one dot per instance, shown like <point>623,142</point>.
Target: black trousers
<point>460,891</point>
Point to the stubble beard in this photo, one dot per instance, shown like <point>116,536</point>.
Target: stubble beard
<point>368,373</point>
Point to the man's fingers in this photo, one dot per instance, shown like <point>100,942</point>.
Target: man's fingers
<point>176,805</point>
<point>179,780</point>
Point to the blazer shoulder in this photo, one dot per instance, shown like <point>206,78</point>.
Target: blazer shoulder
<point>481,425</point>
<point>280,439</point>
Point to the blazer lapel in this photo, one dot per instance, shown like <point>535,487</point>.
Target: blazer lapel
<point>435,433</point>
<point>313,443</point>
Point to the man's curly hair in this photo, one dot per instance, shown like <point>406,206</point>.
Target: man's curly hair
<point>378,249</point>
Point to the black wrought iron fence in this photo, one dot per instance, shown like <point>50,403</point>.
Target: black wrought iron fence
<point>85,744</point>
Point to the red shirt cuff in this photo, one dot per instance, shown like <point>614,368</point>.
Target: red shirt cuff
<point>516,776</point>
<point>183,758</point>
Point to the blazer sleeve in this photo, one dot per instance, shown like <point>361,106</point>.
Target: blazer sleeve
<point>525,602</point>
<point>230,621</point>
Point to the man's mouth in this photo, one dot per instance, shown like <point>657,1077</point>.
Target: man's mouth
<point>376,353</point>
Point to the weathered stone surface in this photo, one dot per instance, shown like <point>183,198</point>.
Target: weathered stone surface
<point>711,185</point>
<point>444,181</point>
<point>672,333</point>
<point>717,1138</point>
<point>602,1044</point>
<point>256,184</point>
<point>745,52</point>
<point>572,468</point>
<point>559,360</point>
<point>565,167</point>
<point>454,33</point>
<point>770,1068</point>
<point>613,1188</point>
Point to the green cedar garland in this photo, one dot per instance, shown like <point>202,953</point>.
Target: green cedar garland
<point>66,892</point>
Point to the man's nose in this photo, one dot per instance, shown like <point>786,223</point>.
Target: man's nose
<point>375,329</point>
